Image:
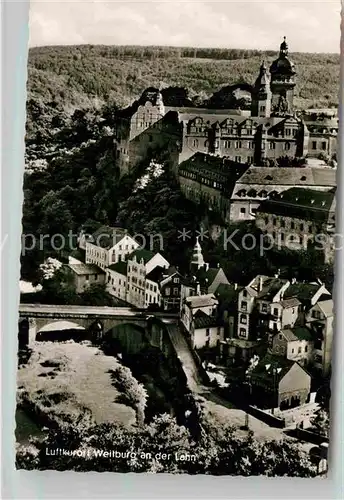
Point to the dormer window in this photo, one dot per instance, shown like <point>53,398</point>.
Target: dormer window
<point>303,178</point>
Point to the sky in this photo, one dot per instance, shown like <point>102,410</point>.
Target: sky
<point>309,25</point>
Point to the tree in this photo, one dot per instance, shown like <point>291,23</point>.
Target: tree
<point>321,422</point>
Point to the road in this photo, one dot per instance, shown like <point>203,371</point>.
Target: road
<point>40,310</point>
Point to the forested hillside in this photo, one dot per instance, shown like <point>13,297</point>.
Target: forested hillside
<point>84,76</point>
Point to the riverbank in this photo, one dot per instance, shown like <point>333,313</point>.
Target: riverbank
<point>63,380</point>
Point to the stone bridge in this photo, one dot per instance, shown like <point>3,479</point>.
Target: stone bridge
<point>98,321</point>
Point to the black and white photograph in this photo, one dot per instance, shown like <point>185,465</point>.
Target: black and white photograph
<point>179,237</point>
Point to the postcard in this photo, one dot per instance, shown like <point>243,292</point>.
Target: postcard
<point>179,237</point>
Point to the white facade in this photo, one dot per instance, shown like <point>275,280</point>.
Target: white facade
<point>116,284</point>
<point>104,257</point>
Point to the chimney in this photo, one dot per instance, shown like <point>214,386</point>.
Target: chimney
<point>206,266</point>
<point>235,286</point>
<point>260,285</point>
<point>218,265</point>
<point>198,289</point>
<point>293,281</point>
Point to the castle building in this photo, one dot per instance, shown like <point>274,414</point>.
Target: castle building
<point>271,129</point>
<point>298,218</point>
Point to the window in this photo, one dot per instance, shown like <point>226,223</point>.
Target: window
<point>243,210</point>
<point>237,144</point>
<point>323,146</point>
<point>301,227</point>
<point>243,305</point>
<point>299,350</point>
<point>242,332</point>
<point>244,293</point>
<point>207,332</point>
<point>264,307</point>
<point>272,145</point>
<point>282,223</point>
<point>238,159</point>
<point>274,221</point>
<point>243,319</point>
<point>314,144</point>
<point>195,143</point>
<point>167,291</point>
<point>87,277</point>
<point>282,236</point>
<point>175,280</point>
<point>275,311</point>
<point>287,146</point>
<point>227,144</point>
<point>280,336</point>
<point>150,138</point>
<point>306,348</point>
<point>310,229</point>
<point>292,351</point>
<point>288,131</point>
<point>292,225</point>
<point>262,108</point>
<point>318,358</point>
<point>175,291</point>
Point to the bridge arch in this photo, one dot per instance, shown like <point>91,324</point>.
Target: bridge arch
<point>60,330</point>
<point>128,338</point>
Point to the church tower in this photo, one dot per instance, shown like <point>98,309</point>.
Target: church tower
<point>282,84</point>
<point>197,260</point>
<point>261,99</point>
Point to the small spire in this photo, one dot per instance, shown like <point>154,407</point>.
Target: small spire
<point>197,260</point>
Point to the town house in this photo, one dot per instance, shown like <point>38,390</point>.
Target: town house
<point>109,245</point>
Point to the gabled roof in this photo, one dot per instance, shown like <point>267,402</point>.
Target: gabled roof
<point>202,320</point>
<point>207,276</point>
<point>197,301</point>
<point>297,333</point>
<point>260,373</point>
<point>303,291</point>
<point>120,267</point>
<point>141,254</point>
<point>292,302</point>
<point>106,237</point>
<point>326,307</point>
<point>84,269</point>
<point>156,274</point>
<point>270,286</point>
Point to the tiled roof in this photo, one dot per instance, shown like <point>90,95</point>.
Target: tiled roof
<point>120,267</point>
<point>140,254</point>
<point>156,274</point>
<point>296,176</point>
<point>212,167</point>
<point>270,286</point>
<point>307,204</point>
<point>202,320</point>
<point>292,302</point>
<point>209,274</point>
<point>106,236</point>
<point>201,300</point>
<point>83,269</point>
<point>326,307</point>
<point>298,333</point>
<point>303,291</point>
<point>260,373</point>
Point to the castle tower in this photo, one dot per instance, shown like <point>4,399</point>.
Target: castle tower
<point>261,99</point>
<point>197,260</point>
<point>282,84</point>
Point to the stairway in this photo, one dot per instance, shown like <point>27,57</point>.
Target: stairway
<point>186,358</point>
